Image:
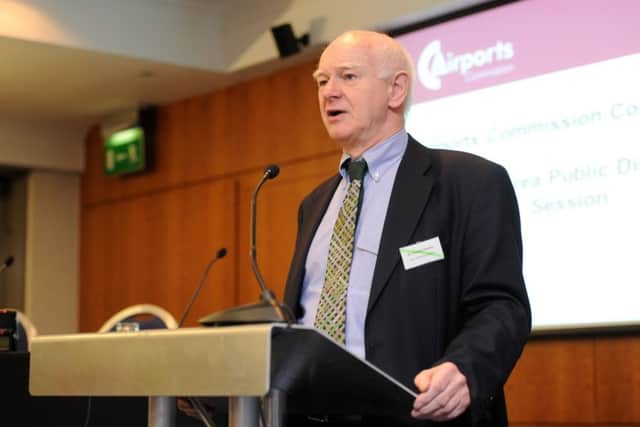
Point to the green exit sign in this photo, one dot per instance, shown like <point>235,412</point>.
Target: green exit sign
<point>124,152</point>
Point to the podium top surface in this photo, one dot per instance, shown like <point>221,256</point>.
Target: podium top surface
<point>180,362</point>
<point>318,375</point>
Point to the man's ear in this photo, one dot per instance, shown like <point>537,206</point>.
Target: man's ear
<point>399,89</point>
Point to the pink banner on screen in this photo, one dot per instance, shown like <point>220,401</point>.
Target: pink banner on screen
<point>520,40</point>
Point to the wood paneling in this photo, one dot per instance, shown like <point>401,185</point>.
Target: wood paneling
<point>273,119</point>
<point>98,267</point>
<point>149,237</point>
<point>585,381</point>
<point>154,248</point>
<point>618,380</point>
<point>553,382</point>
<point>136,245</point>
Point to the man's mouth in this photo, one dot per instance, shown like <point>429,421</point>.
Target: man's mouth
<point>335,113</point>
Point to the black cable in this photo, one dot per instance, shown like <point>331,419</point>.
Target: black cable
<point>260,404</point>
<point>88,417</point>
<point>202,412</point>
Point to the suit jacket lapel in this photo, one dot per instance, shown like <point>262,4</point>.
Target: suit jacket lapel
<point>405,209</point>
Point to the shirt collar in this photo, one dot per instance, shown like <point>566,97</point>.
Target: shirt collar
<point>381,157</point>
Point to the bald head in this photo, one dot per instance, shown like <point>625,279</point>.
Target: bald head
<point>387,55</point>
<point>364,79</point>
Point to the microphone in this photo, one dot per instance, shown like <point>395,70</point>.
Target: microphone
<point>278,315</point>
<point>268,309</point>
<point>219,255</point>
<point>270,172</point>
<point>195,403</point>
<point>9,260</point>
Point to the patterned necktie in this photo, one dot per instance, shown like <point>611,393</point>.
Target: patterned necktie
<point>332,308</point>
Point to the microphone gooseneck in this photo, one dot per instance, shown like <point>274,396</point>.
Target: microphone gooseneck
<point>270,172</point>
<point>219,255</point>
<point>266,295</point>
<point>268,310</point>
<point>194,401</point>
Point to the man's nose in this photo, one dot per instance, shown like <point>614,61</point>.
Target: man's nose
<point>331,89</point>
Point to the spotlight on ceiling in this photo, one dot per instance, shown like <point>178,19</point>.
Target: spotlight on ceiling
<point>287,42</point>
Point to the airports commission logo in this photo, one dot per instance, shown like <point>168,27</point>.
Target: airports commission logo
<point>433,64</point>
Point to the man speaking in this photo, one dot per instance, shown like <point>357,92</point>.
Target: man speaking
<point>409,256</point>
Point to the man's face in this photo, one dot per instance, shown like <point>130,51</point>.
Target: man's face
<point>353,99</point>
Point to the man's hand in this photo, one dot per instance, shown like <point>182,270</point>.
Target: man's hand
<point>444,393</point>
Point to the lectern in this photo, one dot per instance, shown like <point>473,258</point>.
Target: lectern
<point>291,369</point>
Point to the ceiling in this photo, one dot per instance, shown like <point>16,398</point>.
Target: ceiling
<point>61,84</point>
<point>66,65</point>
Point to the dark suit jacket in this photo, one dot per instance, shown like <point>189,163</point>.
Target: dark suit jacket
<point>470,308</point>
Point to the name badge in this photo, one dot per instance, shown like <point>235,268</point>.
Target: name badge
<point>421,253</point>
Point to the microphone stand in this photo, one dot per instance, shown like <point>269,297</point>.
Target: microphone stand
<point>268,309</point>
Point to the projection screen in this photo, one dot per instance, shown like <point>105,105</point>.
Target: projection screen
<point>549,89</point>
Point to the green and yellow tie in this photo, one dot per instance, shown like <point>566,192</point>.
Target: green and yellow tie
<point>332,308</point>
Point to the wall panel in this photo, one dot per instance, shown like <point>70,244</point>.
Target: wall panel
<point>553,382</point>
<point>154,248</point>
<point>272,119</point>
<point>618,379</point>
<point>99,271</point>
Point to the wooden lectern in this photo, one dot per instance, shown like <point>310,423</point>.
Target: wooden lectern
<point>292,369</point>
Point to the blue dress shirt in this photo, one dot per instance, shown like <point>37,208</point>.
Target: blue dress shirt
<point>382,160</point>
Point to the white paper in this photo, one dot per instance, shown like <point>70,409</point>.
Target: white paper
<point>421,253</point>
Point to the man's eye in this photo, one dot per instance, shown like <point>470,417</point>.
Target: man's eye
<point>321,82</point>
<point>350,76</point>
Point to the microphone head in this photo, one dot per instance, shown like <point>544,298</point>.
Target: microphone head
<point>221,253</point>
<point>271,171</point>
<point>8,261</point>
